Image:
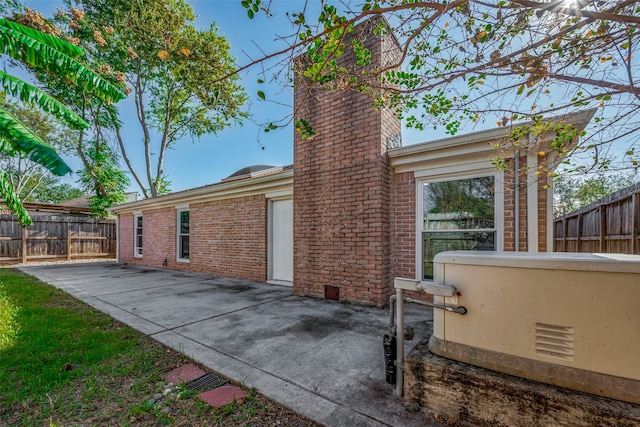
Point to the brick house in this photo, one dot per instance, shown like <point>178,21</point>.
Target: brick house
<point>355,210</point>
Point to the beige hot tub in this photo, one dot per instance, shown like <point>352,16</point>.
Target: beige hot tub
<point>571,320</point>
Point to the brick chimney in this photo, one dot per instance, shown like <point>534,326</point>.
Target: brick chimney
<point>342,186</point>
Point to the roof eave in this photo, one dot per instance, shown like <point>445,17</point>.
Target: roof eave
<point>475,144</point>
<point>200,194</point>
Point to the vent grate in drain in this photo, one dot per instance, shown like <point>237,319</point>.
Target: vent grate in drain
<point>554,341</point>
<point>205,383</point>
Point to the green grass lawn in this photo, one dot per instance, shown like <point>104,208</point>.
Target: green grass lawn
<point>63,363</point>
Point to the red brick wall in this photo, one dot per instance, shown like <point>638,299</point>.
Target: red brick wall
<point>509,207</point>
<point>342,192</point>
<point>403,232</point>
<point>227,238</point>
<point>404,226</point>
<point>125,238</point>
<point>159,237</point>
<point>542,207</point>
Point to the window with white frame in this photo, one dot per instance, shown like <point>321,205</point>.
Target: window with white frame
<point>457,214</point>
<point>137,235</point>
<point>183,235</point>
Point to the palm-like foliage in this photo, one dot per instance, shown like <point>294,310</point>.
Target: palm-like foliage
<point>55,56</point>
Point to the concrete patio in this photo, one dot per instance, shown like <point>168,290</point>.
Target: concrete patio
<point>322,359</point>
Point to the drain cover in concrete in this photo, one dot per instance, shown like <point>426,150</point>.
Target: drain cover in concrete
<point>184,373</point>
<point>205,382</point>
<point>222,396</point>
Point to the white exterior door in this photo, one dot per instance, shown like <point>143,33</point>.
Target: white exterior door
<point>281,242</point>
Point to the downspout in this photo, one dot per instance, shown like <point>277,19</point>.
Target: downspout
<point>392,314</point>
<point>400,343</point>
<point>516,205</point>
<point>389,345</point>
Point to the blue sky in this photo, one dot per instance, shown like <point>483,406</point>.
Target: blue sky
<point>213,157</point>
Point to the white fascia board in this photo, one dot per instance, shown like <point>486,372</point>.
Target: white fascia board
<point>454,155</point>
<point>248,192</point>
<point>479,145</point>
<point>246,187</point>
<point>478,138</point>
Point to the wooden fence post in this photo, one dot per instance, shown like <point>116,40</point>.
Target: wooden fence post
<point>46,239</point>
<point>634,222</point>
<point>68,241</point>
<point>579,233</point>
<point>23,249</point>
<point>618,218</point>
<point>603,228</point>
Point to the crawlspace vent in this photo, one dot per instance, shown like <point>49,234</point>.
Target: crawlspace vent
<point>554,341</point>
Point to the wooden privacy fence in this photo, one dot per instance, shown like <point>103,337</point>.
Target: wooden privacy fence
<point>609,225</point>
<point>56,236</point>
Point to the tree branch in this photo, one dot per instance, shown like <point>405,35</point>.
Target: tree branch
<point>139,100</point>
<point>597,83</point>
<point>556,7</point>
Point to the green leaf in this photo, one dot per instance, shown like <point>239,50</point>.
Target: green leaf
<point>56,43</point>
<point>20,139</point>
<point>261,95</point>
<point>31,94</point>
<point>25,44</point>
<point>12,201</point>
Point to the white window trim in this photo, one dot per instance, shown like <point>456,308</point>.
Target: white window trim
<point>135,236</point>
<point>498,207</point>
<point>178,211</point>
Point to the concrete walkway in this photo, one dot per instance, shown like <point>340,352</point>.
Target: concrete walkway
<point>320,358</point>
